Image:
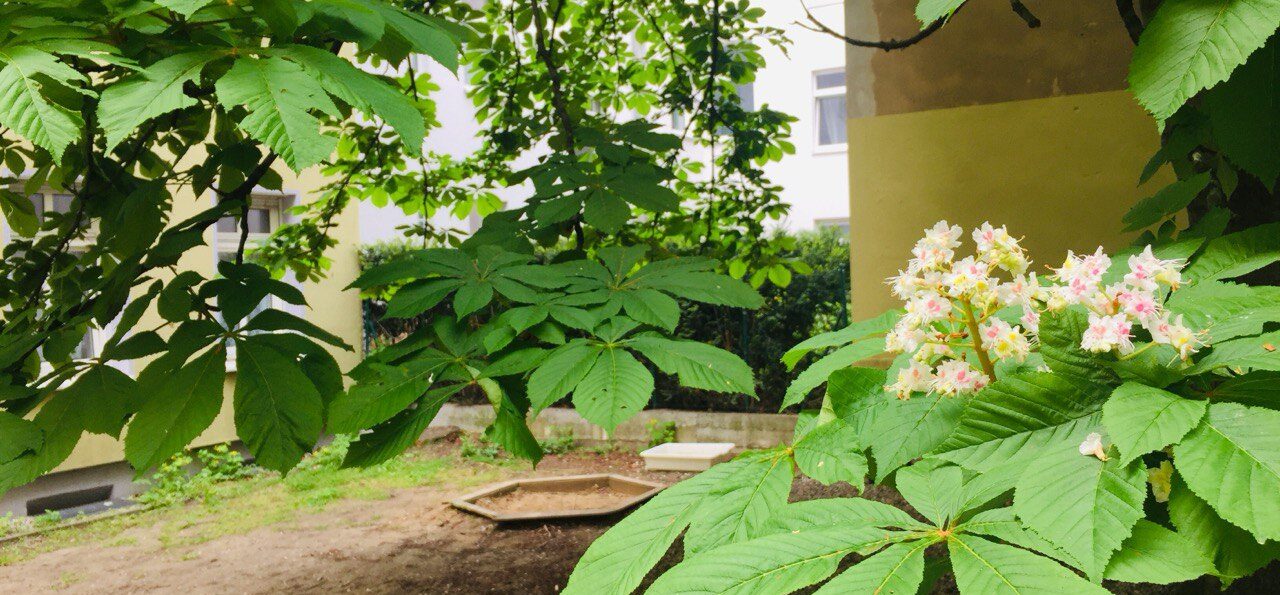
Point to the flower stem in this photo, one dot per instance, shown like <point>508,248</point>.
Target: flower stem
<point>983,358</point>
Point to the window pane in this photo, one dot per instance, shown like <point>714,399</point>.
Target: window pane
<point>62,203</point>
<point>259,222</point>
<point>37,201</point>
<point>828,80</point>
<point>747,97</point>
<point>831,130</point>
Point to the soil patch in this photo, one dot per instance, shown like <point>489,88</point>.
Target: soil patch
<point>522,500</point>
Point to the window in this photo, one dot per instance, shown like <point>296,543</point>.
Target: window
<point>829,108</point>
<point>264,218</point>
<point>838,223</point>
<point>747,97</point>
<point>47,202</point>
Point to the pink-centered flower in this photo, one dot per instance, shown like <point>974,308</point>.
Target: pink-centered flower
<point>915,378</point>
<point>957,377</point>
<point>1107,333</point>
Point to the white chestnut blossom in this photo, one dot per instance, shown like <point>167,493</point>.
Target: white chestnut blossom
<point>1108,333</point>
<point>949,300</point>
<point>917,377</point>
<point>1092,446</point>
<point>956,377</point>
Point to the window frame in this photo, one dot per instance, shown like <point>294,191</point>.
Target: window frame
<point>822,93</point>
<point>275,203</point>
<point>96,336</point>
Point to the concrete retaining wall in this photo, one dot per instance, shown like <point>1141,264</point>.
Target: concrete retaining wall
<point>751,430</point>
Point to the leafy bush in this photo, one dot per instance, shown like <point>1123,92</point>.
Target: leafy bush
<point>174,482</point>
<point>810,304</point>
<point>476,448</point>
<point>661,432</point>
<point>1048,436</point>
<point>560,441</point>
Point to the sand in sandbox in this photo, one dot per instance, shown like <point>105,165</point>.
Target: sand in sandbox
<point>522,500</point>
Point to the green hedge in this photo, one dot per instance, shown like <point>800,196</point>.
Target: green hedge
<point>810,305</point>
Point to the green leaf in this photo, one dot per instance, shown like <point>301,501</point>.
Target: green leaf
<point>831,512</point>
<point>509,428</point>
<point>560,373</point>
<point>1154,554</point>
<point>855,395</point>
<point>818,373</point>
<point>1010,421</point>
<point>155,91</point>
<point>616,388</point>
<point>278,412</point>
<point>899,569</point>
<point>280,97</point>
<point>777,563</point>
<point>23,105</point>
<point>1166,202</point>
<point>1232,461</point>
<point>906,430</point>
<point>1191,45</point>
<point>1141,419</point>
<point>1004,525</point>
<point>1226,310</point>
<point>376,400</point>
<point>937,492</point>
<point>697,365</point>
<point>651,307</point>
<point>470,298</point>
<point>185,8</point>
<point>1234,552</point>
<point>105,397</point>
<point>1259,389</point>
<point>364,92</point>
<point>830,453</point>
<point>737,508</point>
<point>419,296</point>
<point>1245,113</point>
<point>864,329</point>
<point>278,320</point>
<point>19,212</point>
<point>990,568</point>
<point>1244,353</point>
<point>1060,346</point>
<point>1085,506</point>
<point>392,437</point>
<point>422,34</point>
<point>1236,254</point>
<point>618,560</point>
<point>606,212</point>
<point>708,288</point>
<point>17,436</point>
<point>178,411</point>
<point>930,11</point>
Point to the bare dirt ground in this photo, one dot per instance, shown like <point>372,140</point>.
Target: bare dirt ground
<point>412,542</point>
<point>409,542</point>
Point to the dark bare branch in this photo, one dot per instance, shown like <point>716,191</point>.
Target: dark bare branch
<point>1132,23</point>
<point>884,45</point>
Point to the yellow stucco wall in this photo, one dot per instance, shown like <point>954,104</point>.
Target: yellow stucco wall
<point>330,307</point>
<point>1059,171</point>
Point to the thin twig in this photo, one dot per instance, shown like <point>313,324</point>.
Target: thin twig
<point>884,45</point>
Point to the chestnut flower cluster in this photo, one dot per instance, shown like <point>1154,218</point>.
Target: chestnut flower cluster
<point>951,307</point>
